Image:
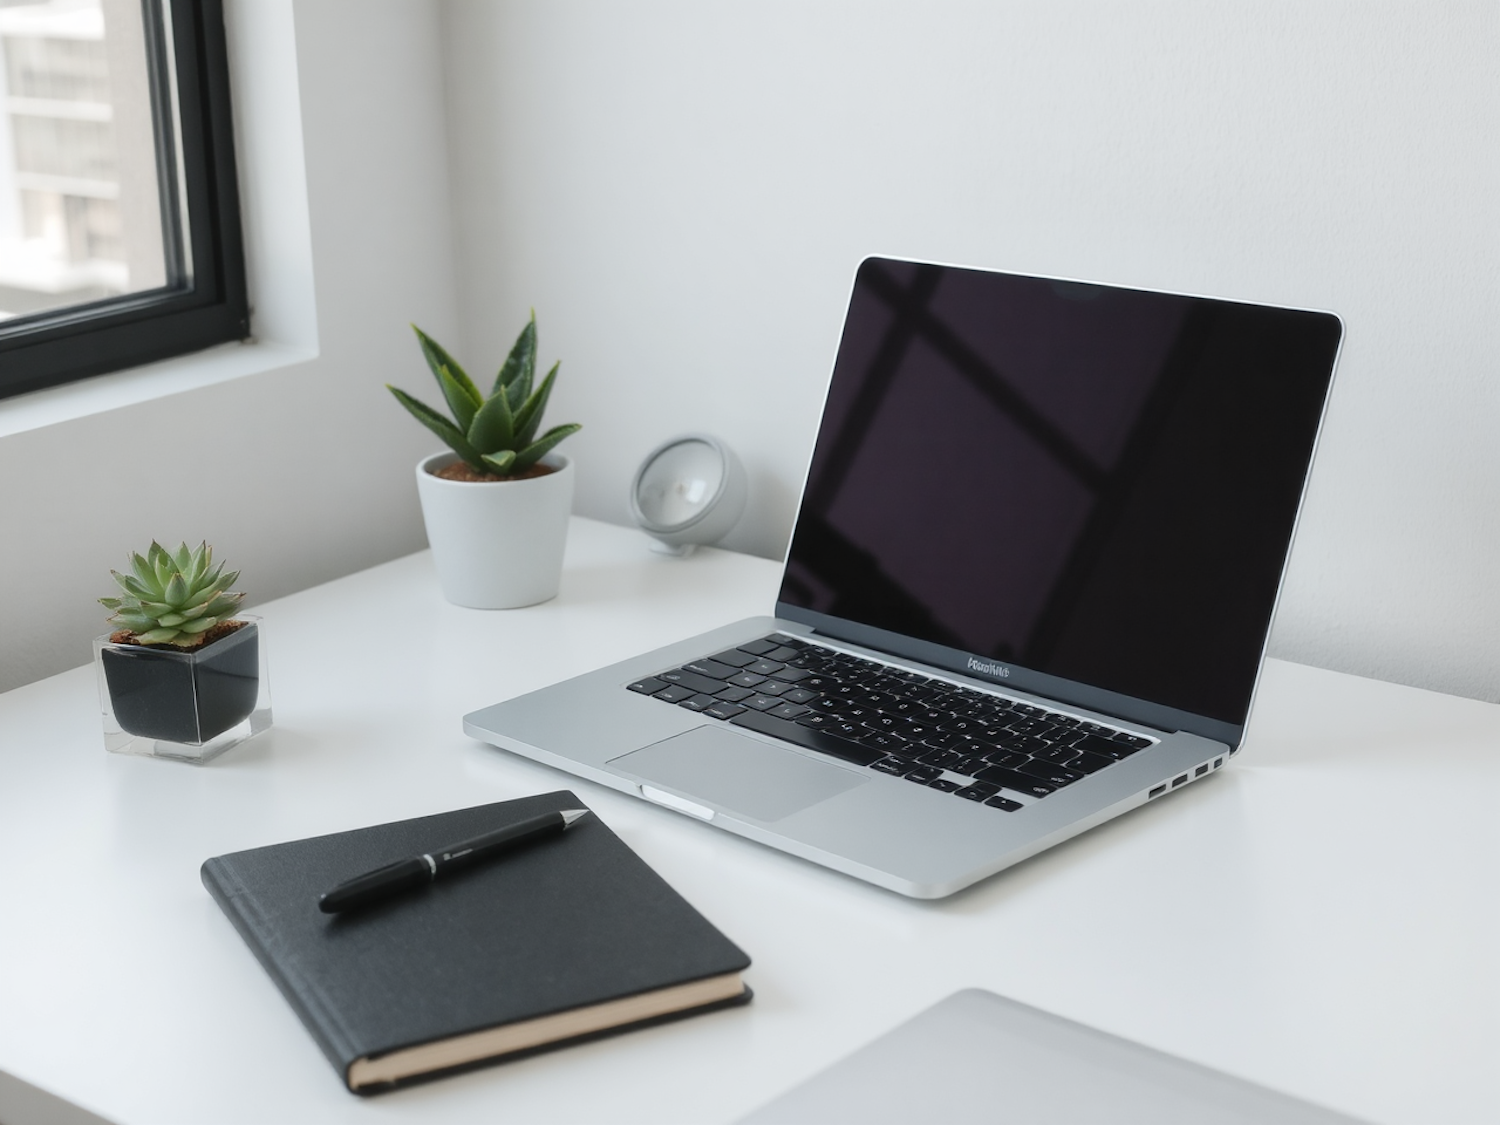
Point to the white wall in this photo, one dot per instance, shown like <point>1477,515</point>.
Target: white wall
<point>302,470</point>
<point>683,190</point>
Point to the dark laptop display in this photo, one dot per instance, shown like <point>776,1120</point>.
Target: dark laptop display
<point>1074,489</point>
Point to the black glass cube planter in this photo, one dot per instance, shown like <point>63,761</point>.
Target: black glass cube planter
<point>187,704</point>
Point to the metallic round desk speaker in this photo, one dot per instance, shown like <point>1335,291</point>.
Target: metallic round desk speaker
<point>689,490</point>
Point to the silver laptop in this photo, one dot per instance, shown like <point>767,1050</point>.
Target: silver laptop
<point>1029,587</point>
<point>977,1058</point>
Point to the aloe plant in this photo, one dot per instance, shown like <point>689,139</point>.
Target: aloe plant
<point>173,597</point>
<point>495,433</point>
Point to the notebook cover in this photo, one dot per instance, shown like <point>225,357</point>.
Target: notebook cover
<point>568,922</point>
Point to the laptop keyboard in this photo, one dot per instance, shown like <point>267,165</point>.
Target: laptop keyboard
<point>977,746</point>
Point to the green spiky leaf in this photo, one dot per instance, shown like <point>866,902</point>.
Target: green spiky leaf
<point>438,358</point>
<point>539,448</point>
<point>177,589</point>
<point>494,434</point>
<point>463,400</point>
<point>520,365</point>
<point>439,425</point>
<point>494,426</point>
<point>502,462</point>
<point>530,415</point>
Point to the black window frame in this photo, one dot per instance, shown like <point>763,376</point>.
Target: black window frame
<point>211,305</point>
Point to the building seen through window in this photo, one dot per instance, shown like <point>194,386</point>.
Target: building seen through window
<point>81,207</point>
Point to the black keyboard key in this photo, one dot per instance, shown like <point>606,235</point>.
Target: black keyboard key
<point>1134,741</point>
<point>960,724</point>
<point>764,667</point>
<point>746,679</point>
<point>722,710</point>
<point>797,695</point>
<point>790,675</point>
<point>923,774</point>
<point>1010,779</point>
<point>698,703</point>
<point>760,647</point>
<point>789,642</point>
<point>816,719</point>
<point>1098,744</point>
<point>694,680</point>
<point>968,765</point>
<point>783,654</point>
<point>1006,759</point>
<point>943,759</point>
<point>944,785</point>
<point>1056,754</point>
<point>1004,803</point>
<point>979,791</point>
<point>649,686</point>
<point>844,728</point>
<point>894,765</point>
<point>711,668</point>
<point>734,658</point>
<point>733,694</point>
<point>908,729</point>
<point>879,740</point>
<point>675,693</point>
<point>1028,726</point>
<point>1051,774</point>
<point>762,702</point>
<point>771,687</point>
<point>1089,763</point>
<point>816,682</point>
<point>819,740</point>
<point>788,711</point>
<point>942,740</point>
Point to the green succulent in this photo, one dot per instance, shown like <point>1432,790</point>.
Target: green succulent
<point>494,434</point>
<point>173,597</point>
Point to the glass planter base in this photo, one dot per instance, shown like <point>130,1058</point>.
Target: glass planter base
<point>119,742</point>
<point>189,706</point>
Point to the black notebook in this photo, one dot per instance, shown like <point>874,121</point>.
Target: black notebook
<point>570,937</point>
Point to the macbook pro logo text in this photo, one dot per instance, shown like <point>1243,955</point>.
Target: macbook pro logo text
<point>985,668</point>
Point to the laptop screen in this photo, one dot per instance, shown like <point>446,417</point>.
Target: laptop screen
<point>1052,483</point>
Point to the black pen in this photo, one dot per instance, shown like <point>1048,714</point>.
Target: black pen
<point>409,874</point>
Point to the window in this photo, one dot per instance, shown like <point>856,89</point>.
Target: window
<point>119,214</point>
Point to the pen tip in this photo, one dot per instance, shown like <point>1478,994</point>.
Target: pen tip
<point>570,815</point>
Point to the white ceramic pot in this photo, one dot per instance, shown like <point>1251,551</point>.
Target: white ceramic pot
<point>497,544</point>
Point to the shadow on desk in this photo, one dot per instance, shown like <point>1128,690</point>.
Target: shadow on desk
<point>24,1104</point>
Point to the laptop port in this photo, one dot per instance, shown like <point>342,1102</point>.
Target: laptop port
<point>1176,781</point>
<point>1200,771</point>
<point>1157,792</point>
<point>1218,762</point>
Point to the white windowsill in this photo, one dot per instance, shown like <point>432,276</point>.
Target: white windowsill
<point>102,393</point>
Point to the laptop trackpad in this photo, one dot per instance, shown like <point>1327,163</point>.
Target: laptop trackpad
<point>737,774</point>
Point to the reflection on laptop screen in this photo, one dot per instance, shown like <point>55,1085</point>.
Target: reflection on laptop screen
<point>1092,483</point>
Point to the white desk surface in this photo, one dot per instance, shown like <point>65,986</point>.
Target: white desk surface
<point>1321,917</point>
